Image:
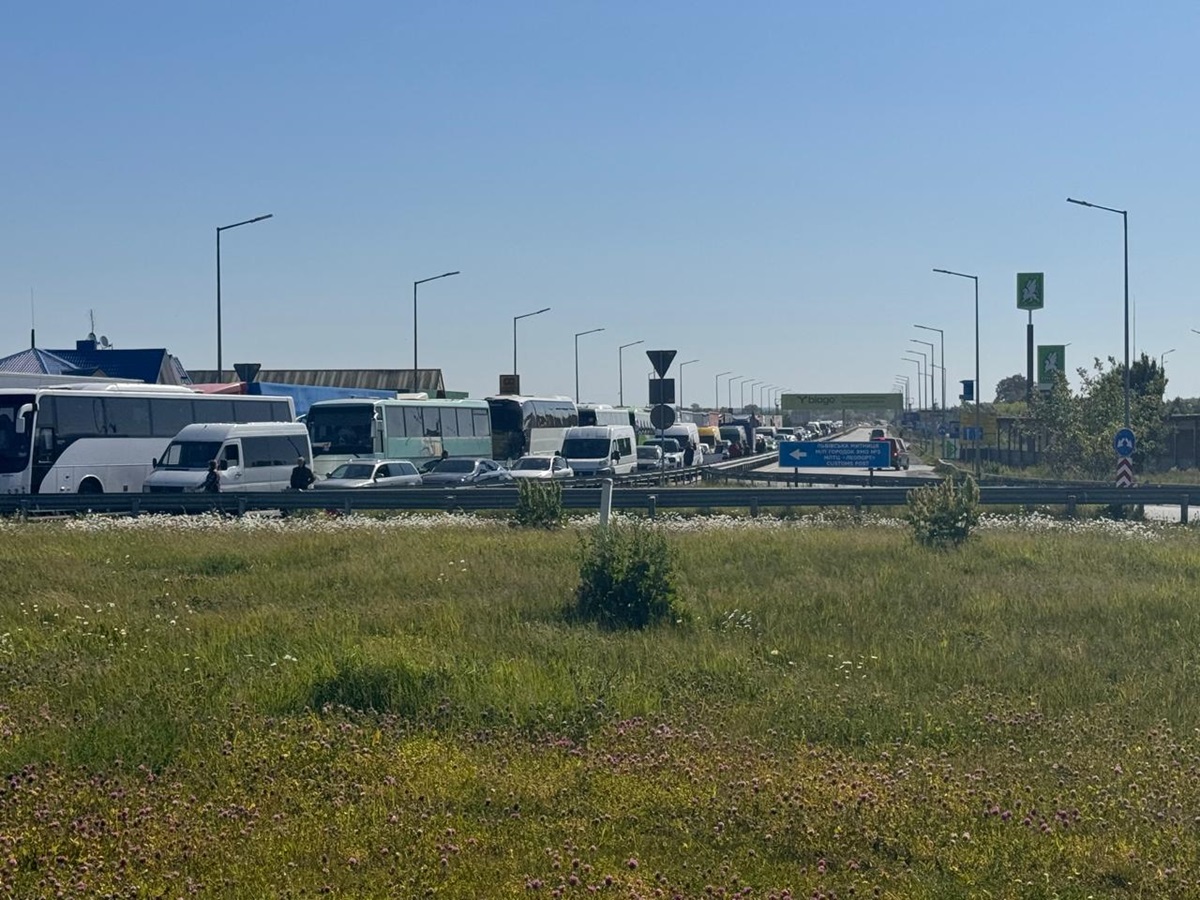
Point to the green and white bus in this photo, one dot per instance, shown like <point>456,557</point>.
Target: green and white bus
<point>413,428</point>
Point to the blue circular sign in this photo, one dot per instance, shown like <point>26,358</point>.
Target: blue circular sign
<point>1125,442</point>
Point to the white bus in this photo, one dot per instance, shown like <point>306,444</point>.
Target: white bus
<point>413,428</point>
<point>530,425</point>
<point>95,440</point>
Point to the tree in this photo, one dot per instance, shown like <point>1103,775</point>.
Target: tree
<point>1011,389</point>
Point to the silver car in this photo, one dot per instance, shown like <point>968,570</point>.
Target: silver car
<point>371,473</point>
<point>542,468</point>
<point>458,472</point>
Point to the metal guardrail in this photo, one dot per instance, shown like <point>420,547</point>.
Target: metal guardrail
<point>574,498</point>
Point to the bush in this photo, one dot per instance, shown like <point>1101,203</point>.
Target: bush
<point>539,504</point>
<point>627,577</point>
<point>943,515</point>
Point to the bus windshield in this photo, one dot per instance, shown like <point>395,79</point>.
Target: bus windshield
<point>189,454</point>
<point>14,447</point>
<point>341,429</point>
<point>585,448</point>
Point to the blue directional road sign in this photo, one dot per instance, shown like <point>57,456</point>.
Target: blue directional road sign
<point>1124,442</point>
<point>839,454</point>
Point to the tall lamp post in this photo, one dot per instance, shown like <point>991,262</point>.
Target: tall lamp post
<point>681,365</point>
<point>1162,360</point>
<point>415,384</point>
<point>1124,214</point>
<point>578,335</point>
<point>516,319</point>
<point>921,379</point>
<point>729,387</point>
<point>931,368</point>
<point>717,390</point>
<point>220,228</point>
<point>621,370</point>
<point>902,382</point>
<point>978,387</point>
<point>751,385</point>
<point>942,354</point>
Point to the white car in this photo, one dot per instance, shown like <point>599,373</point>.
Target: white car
<point>649,459</point>
<point>542,468</point>
<point>672,452</point>
<point>371,473</point>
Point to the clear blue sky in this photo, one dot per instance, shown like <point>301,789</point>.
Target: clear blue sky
<point>764,186</point>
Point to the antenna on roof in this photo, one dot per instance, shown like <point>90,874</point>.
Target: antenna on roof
<point>92,322</point>
<point>104,343</point>
<point>32,323</point>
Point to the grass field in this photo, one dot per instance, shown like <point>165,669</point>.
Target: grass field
<point>373,709</point>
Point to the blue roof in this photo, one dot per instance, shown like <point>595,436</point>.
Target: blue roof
<point>140,365</point>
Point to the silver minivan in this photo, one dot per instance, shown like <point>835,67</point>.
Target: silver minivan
<point>255,456</point>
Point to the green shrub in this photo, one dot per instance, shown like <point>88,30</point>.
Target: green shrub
<point>627,577</point>
<point>539,504</point>
<point>943,515</point>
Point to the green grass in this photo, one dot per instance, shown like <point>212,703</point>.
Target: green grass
<point>401,713</point>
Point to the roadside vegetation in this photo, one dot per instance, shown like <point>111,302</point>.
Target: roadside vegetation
<point>369,709</point>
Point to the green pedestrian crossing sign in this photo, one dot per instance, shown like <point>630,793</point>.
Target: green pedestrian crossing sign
<point>1031,290</point>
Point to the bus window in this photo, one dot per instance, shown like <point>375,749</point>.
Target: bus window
<point>127,417</point>
<point>450,422</point>
<point>414,421</point>
<point>433,421</point>
<point>483,424</point>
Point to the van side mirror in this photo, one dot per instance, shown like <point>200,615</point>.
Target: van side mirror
<point>19,424</point>
<point>154,462</point>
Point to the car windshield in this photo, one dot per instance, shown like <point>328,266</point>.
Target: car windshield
<point>669,445</point>
<point>649,452</point>
<point>353,470</point>
<point>532,464</point>
<point>585,448</point>
<point>189,454</point>
<point>454,466</point>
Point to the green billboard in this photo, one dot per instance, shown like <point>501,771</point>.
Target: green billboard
<point>1031,290</point>
<point>842,401</point>
<point>1051,359</point>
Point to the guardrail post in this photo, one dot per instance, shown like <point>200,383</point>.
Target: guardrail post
<point>858,504</point>
<point>347,507</point>
<point>1070,506</point>
<point>606,489</point>
<point>241,506</point>
<point>754,507</point>
<point>135,506</point>
<point>652,505</point>
<point>1183,509</point>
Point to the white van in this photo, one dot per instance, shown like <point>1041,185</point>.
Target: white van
<point>688,434</point>
<point>593,450</point>
<point>250,457</point>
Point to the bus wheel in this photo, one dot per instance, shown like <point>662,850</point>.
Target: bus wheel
<point>90,486</point>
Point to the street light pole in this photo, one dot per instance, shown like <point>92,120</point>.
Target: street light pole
<point>751,384</point>
<point>902,382</point>
<point>931,368</point>
<point>922,365</point>
<point>220,228</point>
<point>681,365</point>
<point>1124,214</point>
<point>942,353</point>
<point>515,320</point>
<point>416,384</point>
<point>578,335</point>
<point>621,370</point>
<point>729,386</point>
<point>978,391</point>
<point>717,391</point>
<point>1162,360</point>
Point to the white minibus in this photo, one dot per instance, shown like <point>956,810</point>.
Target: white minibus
<point>253,457</point>
<point>593,450</point>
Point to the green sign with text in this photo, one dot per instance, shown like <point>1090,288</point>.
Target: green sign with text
<point>1051,359</point>
<point>842,401</point>
<point>1031,290</point>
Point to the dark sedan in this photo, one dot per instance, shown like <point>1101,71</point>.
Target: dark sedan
<point>463,472</point>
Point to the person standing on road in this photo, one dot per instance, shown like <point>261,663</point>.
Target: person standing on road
<point>302,475</point>
<point>212,481</point>
<point>689,454</point>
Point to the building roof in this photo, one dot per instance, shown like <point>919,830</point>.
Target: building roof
<point>428,381</point>
<point>154,366</point>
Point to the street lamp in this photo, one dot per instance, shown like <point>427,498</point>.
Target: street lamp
<point>515,320</point>
<point>717,390</point>
<point>751,385</point>
<point>942,340</point>
<point>220,228</point>
<point>1162,360</point>
<point>729,385</point>
<point>978,391</point>
<point>681,365</point>
<point>931,368</point>
<point>921,378</point>
<point>902,382</point>
<point>578,335</point>
<point>621,370</point>
<point>415,385</point>
<point>1124,214</point>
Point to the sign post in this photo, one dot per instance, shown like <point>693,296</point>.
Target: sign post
<point>1031,295</point>
<point>662,393</point>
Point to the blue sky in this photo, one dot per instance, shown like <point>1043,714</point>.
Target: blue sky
<point>763,186</point>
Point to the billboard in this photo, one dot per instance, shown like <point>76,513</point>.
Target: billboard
<point>842,401</point>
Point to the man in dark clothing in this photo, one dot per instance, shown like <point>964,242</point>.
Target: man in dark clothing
<point>302,475</point>
<point>212,481</point>
<point>689,454</point>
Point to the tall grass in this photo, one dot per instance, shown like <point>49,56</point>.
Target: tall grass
<point>404,693</point>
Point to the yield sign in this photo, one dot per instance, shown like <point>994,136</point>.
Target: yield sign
<point>661,360</point>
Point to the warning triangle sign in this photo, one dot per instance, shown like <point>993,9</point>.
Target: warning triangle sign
<point>661,360</point>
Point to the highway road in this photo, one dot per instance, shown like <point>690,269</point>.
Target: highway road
<point>858,434</point>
